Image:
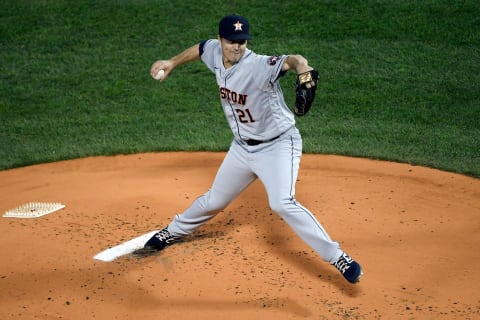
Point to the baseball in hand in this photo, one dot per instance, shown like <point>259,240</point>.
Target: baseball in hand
<point>159,75</point>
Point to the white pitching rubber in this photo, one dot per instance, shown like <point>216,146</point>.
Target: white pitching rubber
<point>124,248</point>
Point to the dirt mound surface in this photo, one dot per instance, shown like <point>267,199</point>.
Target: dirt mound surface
<point>416,232</point>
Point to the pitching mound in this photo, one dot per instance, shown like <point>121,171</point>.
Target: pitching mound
<point>415,230</point>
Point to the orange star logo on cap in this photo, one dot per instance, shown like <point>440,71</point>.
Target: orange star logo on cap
<point>238,26</point>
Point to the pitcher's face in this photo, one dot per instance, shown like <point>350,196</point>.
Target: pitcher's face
<point>232,51</point>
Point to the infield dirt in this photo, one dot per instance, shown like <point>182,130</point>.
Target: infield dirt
<point>415,230</point>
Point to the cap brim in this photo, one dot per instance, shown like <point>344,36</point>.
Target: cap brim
<point>239,37</point>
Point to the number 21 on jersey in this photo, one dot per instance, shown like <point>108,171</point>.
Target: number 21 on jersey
<point>244,116</point>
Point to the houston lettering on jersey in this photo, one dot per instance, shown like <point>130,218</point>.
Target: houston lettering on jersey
<point>232,96</point>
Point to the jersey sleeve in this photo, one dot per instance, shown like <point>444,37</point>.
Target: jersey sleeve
<point>271,67</point>
<point>207,52</point>
<point>277,62</point>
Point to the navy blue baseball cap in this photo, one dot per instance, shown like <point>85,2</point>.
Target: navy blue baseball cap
<point>234,27</point>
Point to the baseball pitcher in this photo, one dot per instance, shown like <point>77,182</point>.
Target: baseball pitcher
<point>266,144</point>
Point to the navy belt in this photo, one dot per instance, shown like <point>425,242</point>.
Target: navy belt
<point>253,142</point>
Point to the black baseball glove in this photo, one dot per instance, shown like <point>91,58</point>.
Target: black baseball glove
<point>305,87</point>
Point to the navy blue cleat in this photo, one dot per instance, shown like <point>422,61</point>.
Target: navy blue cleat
<point>349,268</point>
<point>157,242</point>
<point>161,239</point>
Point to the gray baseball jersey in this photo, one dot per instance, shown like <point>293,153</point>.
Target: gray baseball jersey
<point>250,93</point>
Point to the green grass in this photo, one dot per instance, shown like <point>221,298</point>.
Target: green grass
<point>400,80</point>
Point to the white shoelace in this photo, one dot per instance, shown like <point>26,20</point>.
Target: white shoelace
<point>343,263</point>
<point>163,235</point>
